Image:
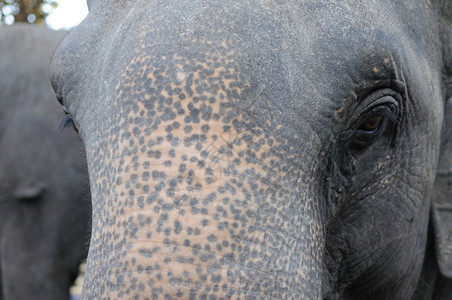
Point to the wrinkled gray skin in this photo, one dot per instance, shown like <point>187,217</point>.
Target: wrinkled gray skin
<point>44,190</point>
<point>264,149</point>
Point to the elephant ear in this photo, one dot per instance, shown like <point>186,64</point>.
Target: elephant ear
<point>442,194</point>
<point>442,199</point>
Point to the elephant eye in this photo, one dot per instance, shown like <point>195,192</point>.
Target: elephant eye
<point>372,125</point>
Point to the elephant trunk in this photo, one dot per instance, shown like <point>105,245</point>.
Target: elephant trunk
<point>179,219</point>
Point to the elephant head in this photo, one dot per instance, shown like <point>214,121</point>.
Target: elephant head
<point>264,149</point>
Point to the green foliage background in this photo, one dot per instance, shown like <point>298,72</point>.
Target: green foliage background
<point>31,11</point>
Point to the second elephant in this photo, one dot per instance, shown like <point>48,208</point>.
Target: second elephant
<point>45,207</point>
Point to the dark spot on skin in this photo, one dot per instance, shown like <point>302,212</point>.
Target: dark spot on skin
<point>160,186</point>
<point>140,202</point>
<point>177,227</point>
<point>156,175</point>
<point>188,129</point>
<point>136,131</point>
<point>156,209</point>
<point>145,252</point>
<point>133,177</point>
<point>182,168</point>
<point>189,230</point>
<point>205,128</point>
<point>145,176</point>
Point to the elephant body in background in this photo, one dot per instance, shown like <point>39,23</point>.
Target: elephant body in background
<point>45,202</point>
<point>264,149</point>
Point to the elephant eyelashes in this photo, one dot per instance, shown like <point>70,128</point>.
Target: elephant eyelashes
<point>67,121</point>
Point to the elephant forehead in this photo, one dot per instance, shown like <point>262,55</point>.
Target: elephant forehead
<point>188,114</point>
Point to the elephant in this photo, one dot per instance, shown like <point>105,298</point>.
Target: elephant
<point>264,149</point>
<point>45,204</point>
